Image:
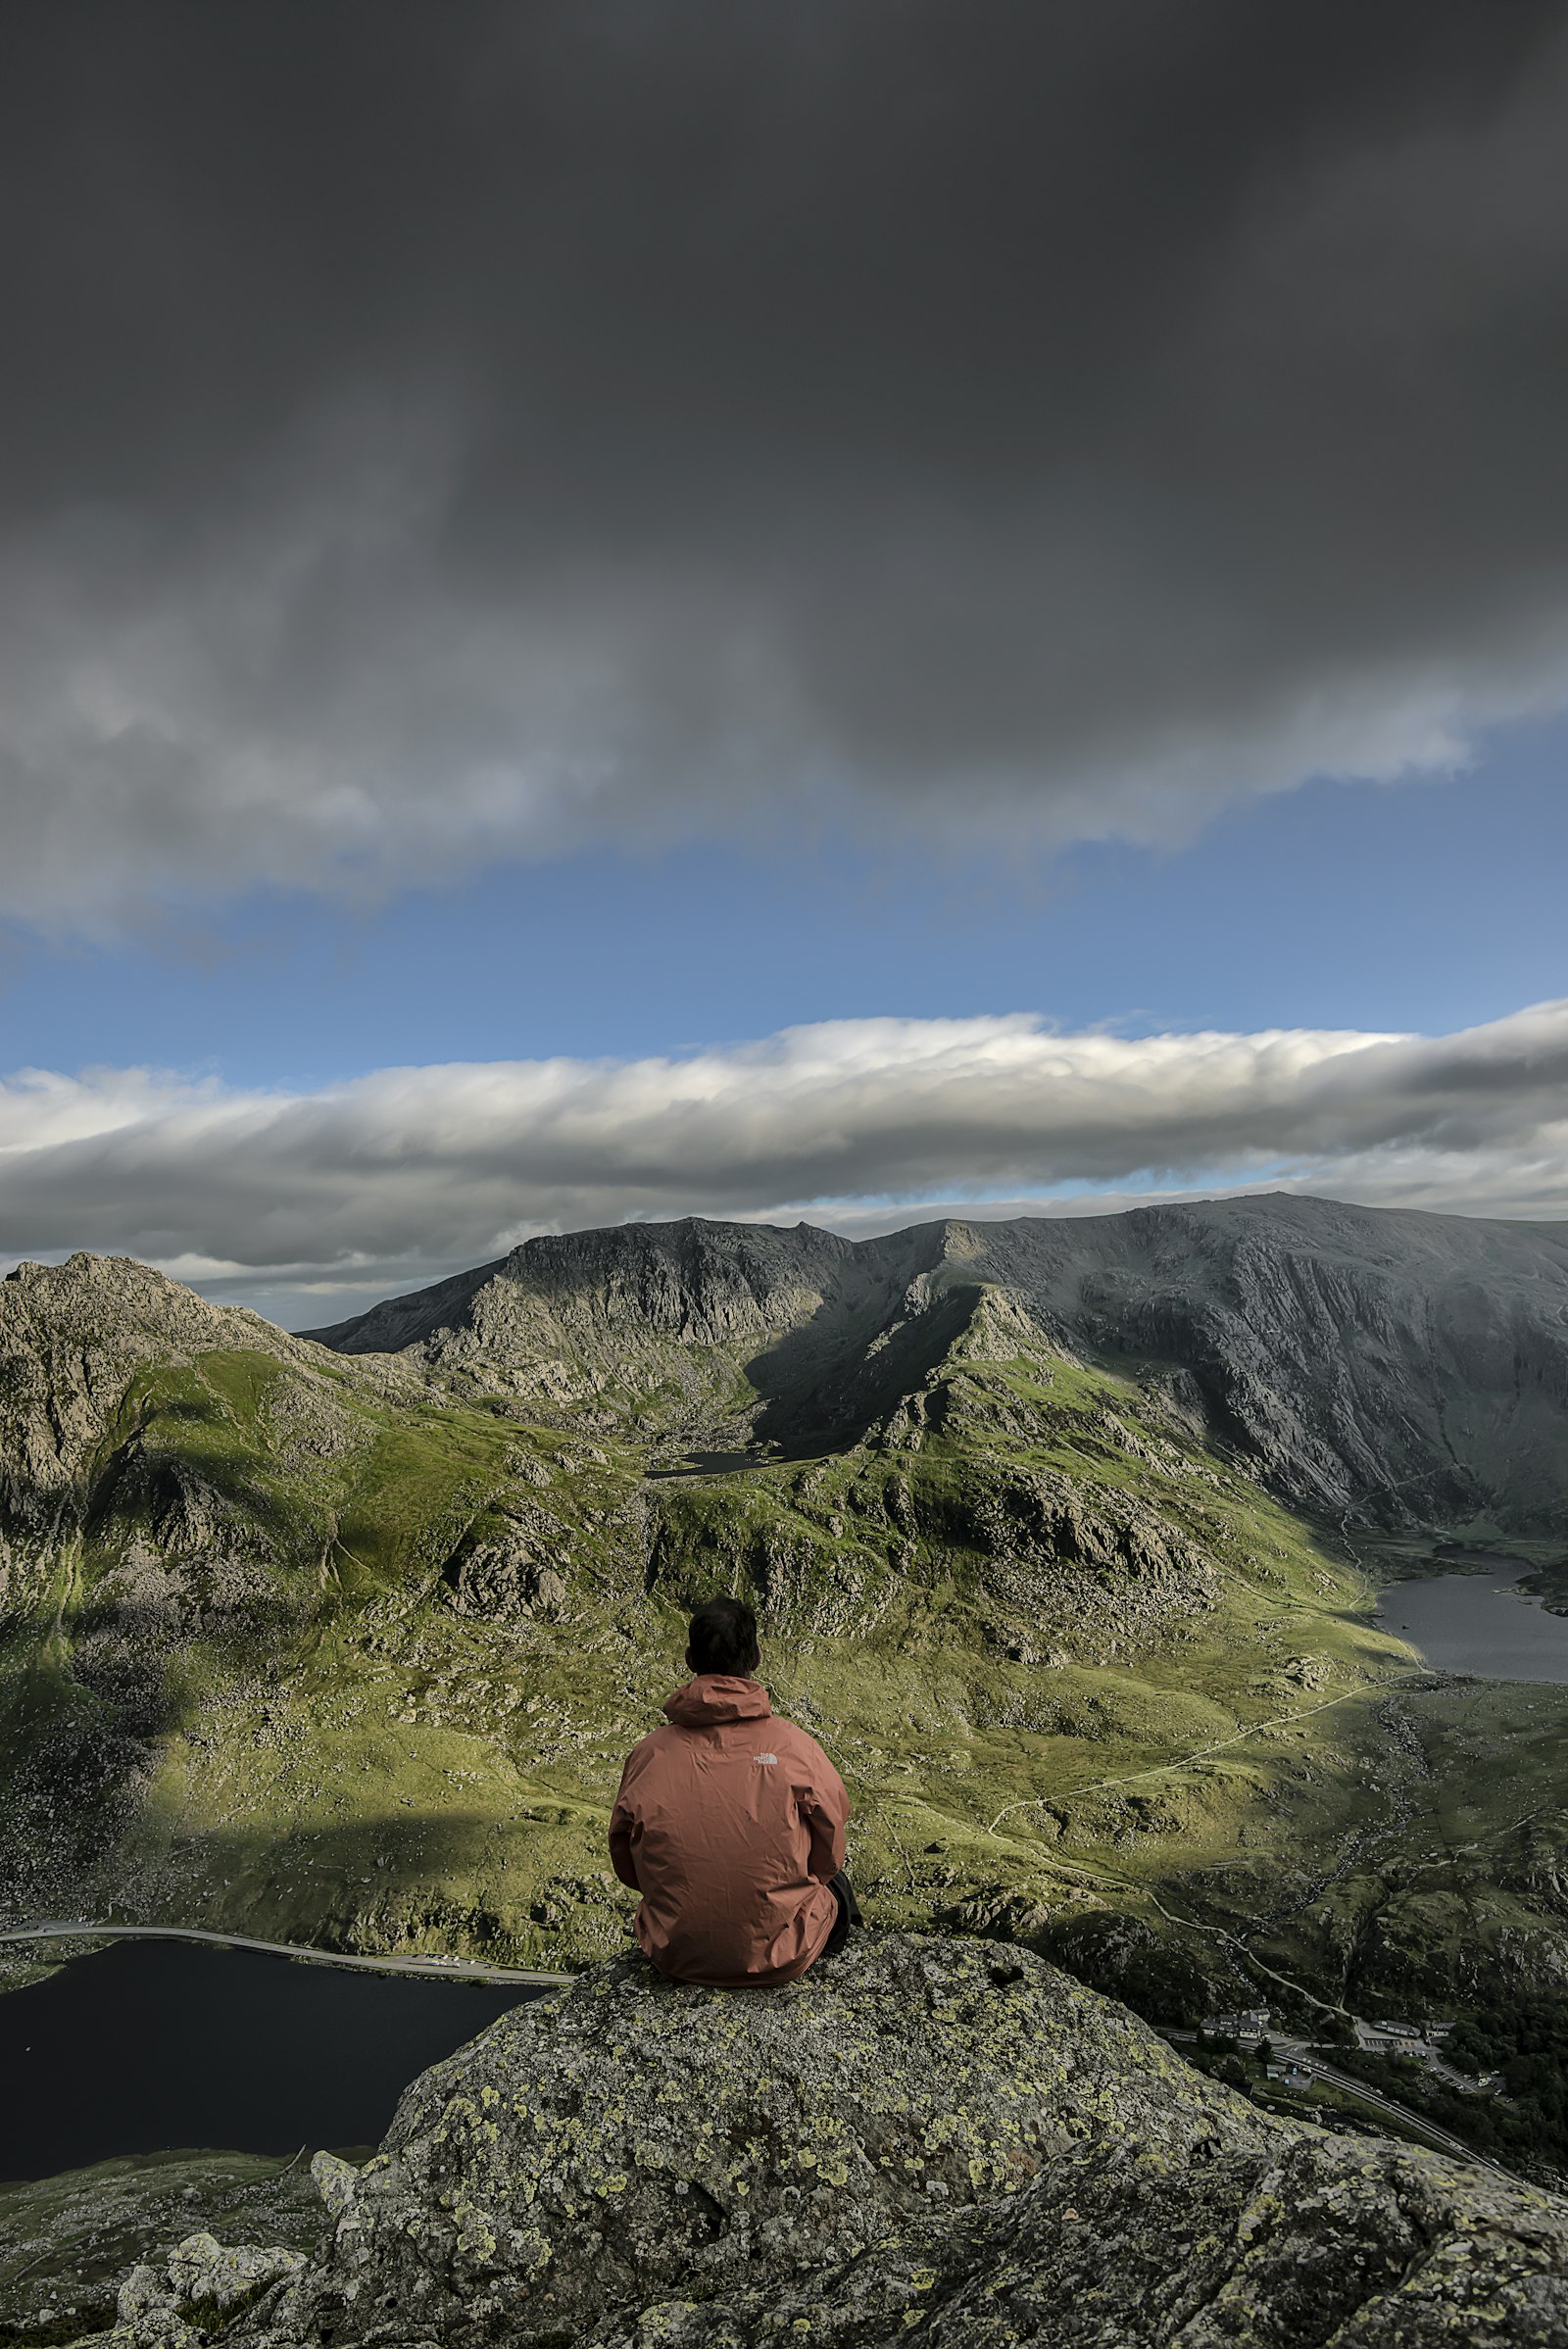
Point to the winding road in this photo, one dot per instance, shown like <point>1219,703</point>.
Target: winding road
<point>1442,2138</point>
<point>442,1969</point>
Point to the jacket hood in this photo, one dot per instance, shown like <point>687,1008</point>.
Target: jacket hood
<point>716,1696</point>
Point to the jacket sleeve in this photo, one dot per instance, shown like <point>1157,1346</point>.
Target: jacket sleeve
<point>827,1814</point>
<point>622,1823</point>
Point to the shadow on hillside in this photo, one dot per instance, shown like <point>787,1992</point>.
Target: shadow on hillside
<point>438,1880</point>
<point>825,1385</point>
<point>186,1493</point>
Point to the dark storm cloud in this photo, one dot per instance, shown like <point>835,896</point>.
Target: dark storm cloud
<point>434,434</point>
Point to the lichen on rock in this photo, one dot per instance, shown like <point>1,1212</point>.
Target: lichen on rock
<point>1326,2244</point>
<point>920,2135</point>
<point>631,2140</point>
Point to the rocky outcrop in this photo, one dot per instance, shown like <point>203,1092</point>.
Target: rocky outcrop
<point>74,1338</point>
<point>500,1580</point>
<point>1325,2243</point>
<point>631,2141</point>
<point>920,2134</point>
<point>69,2242</point>
<point>201,2285</point>
<point>1096,1576</point>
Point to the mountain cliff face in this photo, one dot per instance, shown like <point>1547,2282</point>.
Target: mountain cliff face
<point>1395,1368</point>
<point>921,2135</point>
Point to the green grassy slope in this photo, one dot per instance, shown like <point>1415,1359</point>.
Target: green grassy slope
<point>325,1656</point>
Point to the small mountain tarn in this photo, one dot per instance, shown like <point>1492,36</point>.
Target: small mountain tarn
<point>1062,1536</point>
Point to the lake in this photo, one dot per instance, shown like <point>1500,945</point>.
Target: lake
<point>145,2046</point>
<point>714,1463</point>
<point>1480,1623</point>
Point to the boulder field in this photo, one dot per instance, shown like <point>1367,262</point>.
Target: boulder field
<point>934,2137</point>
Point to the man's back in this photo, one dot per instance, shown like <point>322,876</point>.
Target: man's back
<point>730,1822</point>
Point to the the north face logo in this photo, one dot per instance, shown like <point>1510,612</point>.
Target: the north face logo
<point>769,1758</point>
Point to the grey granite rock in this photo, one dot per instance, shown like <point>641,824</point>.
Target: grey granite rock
<point>632,2141</point>
<point>195,2292</point>
<point>68,2243</point>
<point>1114,2247</point>
<point>922,2136</point>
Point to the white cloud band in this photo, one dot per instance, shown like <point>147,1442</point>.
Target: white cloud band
<point>377,1181</point>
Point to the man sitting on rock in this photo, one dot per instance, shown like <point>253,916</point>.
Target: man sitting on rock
<point>730,1822</point>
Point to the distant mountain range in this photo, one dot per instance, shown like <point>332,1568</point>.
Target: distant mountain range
<point>1397,1368</point>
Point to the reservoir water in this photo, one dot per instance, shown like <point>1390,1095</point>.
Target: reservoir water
<point>145,2046</point>
<point>1480,1623</point>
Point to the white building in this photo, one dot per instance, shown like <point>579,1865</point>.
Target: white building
<point>1251,2023</point>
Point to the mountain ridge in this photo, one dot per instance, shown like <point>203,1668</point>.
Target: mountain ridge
<point>1389,1365</point>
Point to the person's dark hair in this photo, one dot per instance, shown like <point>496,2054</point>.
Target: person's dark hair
<point>724,1638</point>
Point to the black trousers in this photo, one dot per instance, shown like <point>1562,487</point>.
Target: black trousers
<point>849,1914</point>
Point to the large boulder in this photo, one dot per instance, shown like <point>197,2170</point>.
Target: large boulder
<point>631,2142</point>
<point>923,2135</point>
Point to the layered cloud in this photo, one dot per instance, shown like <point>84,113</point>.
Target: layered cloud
<point>435,435</point>
<point>415,1169</point>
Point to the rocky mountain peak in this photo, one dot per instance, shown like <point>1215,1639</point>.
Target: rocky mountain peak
<point>1402,1368</point>
<point>74,1336</point>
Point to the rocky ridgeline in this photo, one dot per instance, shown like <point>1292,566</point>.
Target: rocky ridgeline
<point>1409,1369</point>
<point>923,2136</point>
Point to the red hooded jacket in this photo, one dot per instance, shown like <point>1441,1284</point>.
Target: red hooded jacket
<point>729,1823</point>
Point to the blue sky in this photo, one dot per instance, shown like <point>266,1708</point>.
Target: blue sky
<point>1429,904</point>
